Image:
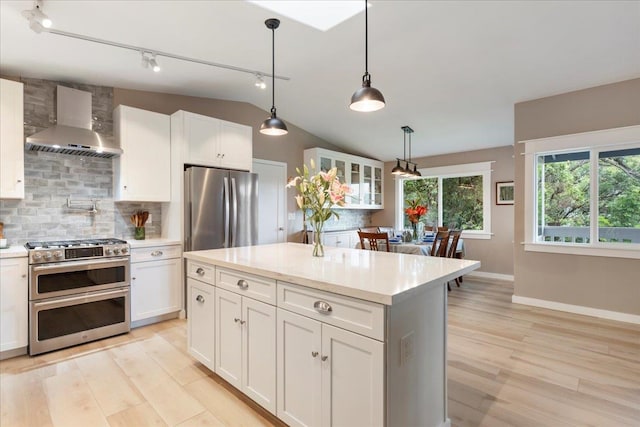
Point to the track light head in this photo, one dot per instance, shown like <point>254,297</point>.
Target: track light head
<point>38,20</point>
<point>260,84</point>
<point>153,64</point>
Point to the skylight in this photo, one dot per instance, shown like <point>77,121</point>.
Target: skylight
<point>321,15</point>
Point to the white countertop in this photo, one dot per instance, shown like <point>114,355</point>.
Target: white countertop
<point>14,251</point>
<point>380,277</point>
<point>151,242</point>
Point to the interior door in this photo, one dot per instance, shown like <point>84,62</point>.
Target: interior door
<point>272,203</point>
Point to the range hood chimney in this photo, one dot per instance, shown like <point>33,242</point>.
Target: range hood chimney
<point>72,134</point>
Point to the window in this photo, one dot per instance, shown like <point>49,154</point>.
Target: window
<point>582,193</point>
<point>456,196</point>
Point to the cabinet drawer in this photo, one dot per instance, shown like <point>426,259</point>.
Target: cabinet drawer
<point>203,272</point>
<point>155,253</point>
<point>355,315</point>
<point>251,286</point>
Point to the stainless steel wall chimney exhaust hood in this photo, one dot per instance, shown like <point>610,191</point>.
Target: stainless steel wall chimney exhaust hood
<point>72,134</point>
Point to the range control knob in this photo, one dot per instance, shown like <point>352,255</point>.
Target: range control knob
<point>108,251</point>
<point>57,254</point>
<point>116,251</point>
<point>125,250</point>
<point>47,255</point>
<point>37,256</point>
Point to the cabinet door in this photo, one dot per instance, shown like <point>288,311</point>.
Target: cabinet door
<point>259,352</point>
<point>299,370</point>
<point>339,240</point>
<point>235,146</point>
<point>229,337</point>
<point>201,305</point>
<point>354,198</point>
<point>155,288</point>
<point>11,140</point>
<point>141,172</point>
<point>352,379</point>
<point>13,303</point>
<point>202,136</point>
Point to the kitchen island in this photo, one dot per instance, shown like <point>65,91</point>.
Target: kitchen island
<point>353,338</point>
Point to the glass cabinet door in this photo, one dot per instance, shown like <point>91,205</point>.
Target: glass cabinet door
<point>355,185</point>
<point>377,186</point>
<point>367,185</point>
<point>341,167</point>
<point>325,164</point>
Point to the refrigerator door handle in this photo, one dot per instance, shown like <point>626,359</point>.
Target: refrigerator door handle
<point>226,213</point>
<point>234,226</point>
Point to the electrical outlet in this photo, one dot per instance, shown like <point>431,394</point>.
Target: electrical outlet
<point>149,219</point>
<point>407,348</point>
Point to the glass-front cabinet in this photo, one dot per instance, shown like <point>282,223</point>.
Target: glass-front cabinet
<point>364,176</point>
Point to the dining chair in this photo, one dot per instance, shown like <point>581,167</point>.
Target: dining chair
<point>437,247</point>
<point>443,228</point>
<point>370,229</point>
<point>453,248</point>
<point>372,239</point>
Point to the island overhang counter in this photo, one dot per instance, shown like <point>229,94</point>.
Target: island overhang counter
<point>352,338</point>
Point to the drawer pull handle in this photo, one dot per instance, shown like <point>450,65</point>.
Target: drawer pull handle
<point>200,271</point>
<point>200,298</point>
<point>236,320</point>
<point>322,307</point>
<point>314,353</point>
<point>243,284</point>
<point>156,253</point>
<point>324,358</point>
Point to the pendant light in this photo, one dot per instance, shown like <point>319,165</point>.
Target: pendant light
<point>366,98</point>
<point>273,125</point>
<point>407,170</point>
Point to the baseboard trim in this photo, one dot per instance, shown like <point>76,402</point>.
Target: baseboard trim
<point>577,309</point>
<point>484,276</point>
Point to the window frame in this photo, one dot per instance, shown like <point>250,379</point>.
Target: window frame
<point>594,143</point>
<point>453,171</point>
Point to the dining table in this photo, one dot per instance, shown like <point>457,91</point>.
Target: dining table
<point>414,247</point>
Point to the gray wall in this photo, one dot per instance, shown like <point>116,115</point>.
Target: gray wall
<point>598,282</point>
<point>52,178</point>
<point>496,254</point>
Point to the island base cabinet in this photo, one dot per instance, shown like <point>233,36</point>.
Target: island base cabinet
<point>245,338</point>
<point>328,376</point>
<point>13,305</point>
<point>155,288</point>
<point>201,318</point>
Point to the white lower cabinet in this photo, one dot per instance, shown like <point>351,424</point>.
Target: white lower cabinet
<point>328,376</point>
<point>201,321</point>
<point>245,343</point>
<point>156,286</point>
<point>13,304</point>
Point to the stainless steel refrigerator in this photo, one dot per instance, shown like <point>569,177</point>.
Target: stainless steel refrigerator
<point>221,208</point>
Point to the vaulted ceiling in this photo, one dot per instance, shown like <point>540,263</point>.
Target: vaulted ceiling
<point>451,70</point>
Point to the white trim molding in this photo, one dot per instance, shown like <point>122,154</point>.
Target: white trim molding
<point>577,309</point>
<point>484,276</point>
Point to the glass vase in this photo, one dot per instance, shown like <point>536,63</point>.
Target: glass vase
<point>415,230</point>
<point>318,249</point>
<point>139,233</point>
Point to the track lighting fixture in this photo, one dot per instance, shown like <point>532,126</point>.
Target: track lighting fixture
<point>406,171</point>
<point>150,62</point>
<point>38,20</point>
<point>260,82</point>
<point>366,98</point>
<point>273,125</point>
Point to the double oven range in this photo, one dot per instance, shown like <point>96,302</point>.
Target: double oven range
<point>79,291</point>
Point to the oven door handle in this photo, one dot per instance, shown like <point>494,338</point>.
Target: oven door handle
<point>88,296</point>
<point>71,264</point>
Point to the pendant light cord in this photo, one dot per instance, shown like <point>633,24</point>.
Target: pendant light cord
<point>273,69</point>
<point>404,147</point>
<point>366,39</point>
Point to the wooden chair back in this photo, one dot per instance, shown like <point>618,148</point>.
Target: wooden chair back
<point>372,240</point>
<point>443,228</point>
<point>370,229</point>
<point>437,247</point>
<point>454,236</point>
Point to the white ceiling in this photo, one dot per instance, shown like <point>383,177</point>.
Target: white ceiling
<point>450,70</point>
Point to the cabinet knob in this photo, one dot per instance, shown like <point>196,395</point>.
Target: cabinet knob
<point>133,278</point>
<point>242,322</point>
<point>23,276</point>
<point>281,228</point>
<point>324,358</point>
<point>156,253</point>
<point>19,181</point>
<point>200,271</point>
<point>322,307</point>
<point>314,353</point>
<point>200,298</point>
<point>242,284</point>
<point>125,187</point>
<point>218,156</point>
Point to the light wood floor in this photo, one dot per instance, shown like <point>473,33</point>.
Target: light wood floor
<point>508,365</point>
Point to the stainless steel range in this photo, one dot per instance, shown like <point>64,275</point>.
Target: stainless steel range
<point>78,292</point>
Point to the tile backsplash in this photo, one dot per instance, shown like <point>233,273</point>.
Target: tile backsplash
<point>52,178</point>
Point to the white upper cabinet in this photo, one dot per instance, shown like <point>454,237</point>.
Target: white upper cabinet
<point>11,140</point>
<point>142,173</point>
<point>208,141</point>
<point>364,176</point>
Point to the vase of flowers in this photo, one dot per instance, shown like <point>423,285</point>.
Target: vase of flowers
<point>414,211</point>
<point>317,194</point>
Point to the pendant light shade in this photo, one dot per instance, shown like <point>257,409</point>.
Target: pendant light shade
<point>366,98</point>
<point>273,125</point>
<point>397,170</point>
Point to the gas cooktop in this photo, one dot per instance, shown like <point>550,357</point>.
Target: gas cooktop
<point>58,244</point>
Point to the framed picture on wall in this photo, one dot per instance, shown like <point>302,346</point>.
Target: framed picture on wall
<point>504,193</point>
